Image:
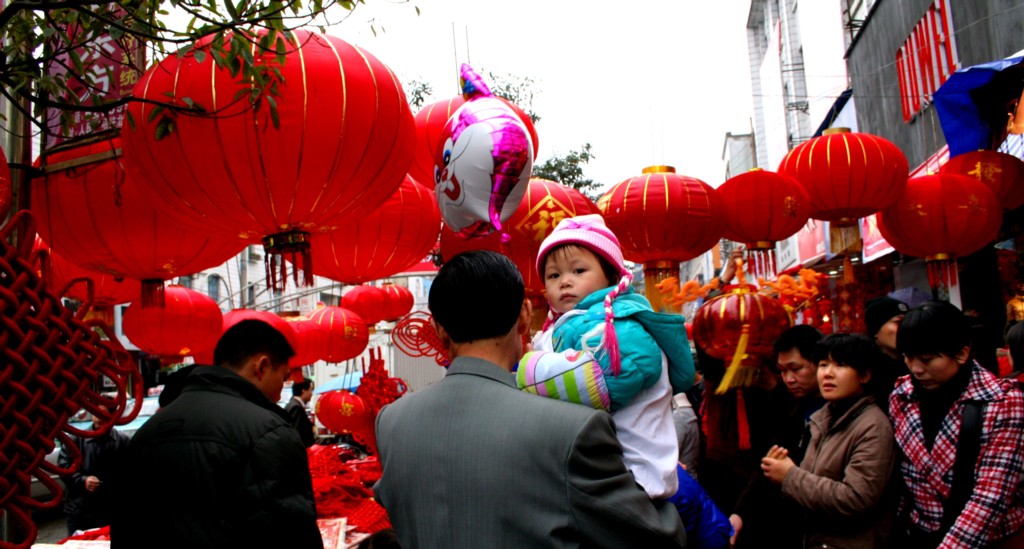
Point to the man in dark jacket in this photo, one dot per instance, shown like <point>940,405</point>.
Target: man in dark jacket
<point>88,491</point>
<point>221,466</point>
<point>302,393</point>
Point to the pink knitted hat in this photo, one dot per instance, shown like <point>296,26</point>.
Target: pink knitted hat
<point>588,231</point>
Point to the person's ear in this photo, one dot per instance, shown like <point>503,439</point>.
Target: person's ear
<point>525,318</point>
<point>866,378</point>
<point>963,355</point>
<point>442,335</point>
<point>262,366</point>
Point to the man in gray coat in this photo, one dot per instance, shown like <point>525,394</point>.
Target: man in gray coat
<point>473,462</point>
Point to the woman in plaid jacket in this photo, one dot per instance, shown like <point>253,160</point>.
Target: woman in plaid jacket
<point>927,409</point>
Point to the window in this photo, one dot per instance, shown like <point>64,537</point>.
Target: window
<point>213,287</point>
<point>185,281</point>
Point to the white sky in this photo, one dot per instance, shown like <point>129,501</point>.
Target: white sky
<point>644,82</point>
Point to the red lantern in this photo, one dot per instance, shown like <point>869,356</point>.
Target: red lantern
<point>847,175</point>
<point>345,412</point>
<point>281,325</point>
<point>6,189</point>
<point>344,333</point>
<point>398,303</point>
<point>392,238</point>
<point>939,218</point>
<point>339,145</point>
<point>96,217</point>
<point>311,340</point>
<point>760,208</point>
<point>107,290</point>
<point>366,301</point>
<point>1001,172</point>
<point>661,219</point>
<point>430,120</point>
<point>189,323</point>
<point>739,326</point>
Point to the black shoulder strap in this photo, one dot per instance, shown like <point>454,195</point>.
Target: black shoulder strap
<point>967,451</point>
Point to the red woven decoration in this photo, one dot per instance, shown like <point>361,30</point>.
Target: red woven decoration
<point>53,362</point>
<point>415,336</point>
<point>377,388</point>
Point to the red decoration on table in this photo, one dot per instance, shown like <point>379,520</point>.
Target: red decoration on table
<point>55,362</point>
<point>939,218</point>
<point>662,218</point>
<point>388,240</point>
<point>339,143</point>
<point>759,209</point>
<point>96,216</point>
<point>188,323</point>
<point>1001,172</point>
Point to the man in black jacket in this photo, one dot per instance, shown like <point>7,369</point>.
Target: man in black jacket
<point>88,491</point>
<point>221,466</point>
<point>302,393</point>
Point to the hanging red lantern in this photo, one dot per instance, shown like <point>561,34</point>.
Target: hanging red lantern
<point>281,325</point>
<point>390,239</point>
<point>311,340</point>
<point>188,323</point>
<point>344,412</point>
<point>95,216</point>
<point>343,332</point>
<point>759,209</point>
<point>1001,172</point>
<point>939,218</point>
<point>107,290</point>
<point>661,219</point>
<point>740,326</point>
<point>847,175</point>
<point>430,121</point>
<point>339,143</point>
<point>365,301</point>
<point>398,303</point>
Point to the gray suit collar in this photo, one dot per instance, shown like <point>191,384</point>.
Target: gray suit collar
<point>482,368</point>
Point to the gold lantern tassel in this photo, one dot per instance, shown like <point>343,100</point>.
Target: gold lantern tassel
<point>737,374</point>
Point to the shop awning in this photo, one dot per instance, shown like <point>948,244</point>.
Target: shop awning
<point>972,104</point>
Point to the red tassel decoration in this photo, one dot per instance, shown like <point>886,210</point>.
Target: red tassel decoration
<point>152,293</point>
<point>742,425</point>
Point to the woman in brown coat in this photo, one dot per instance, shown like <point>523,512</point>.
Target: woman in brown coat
<point>842,481</point>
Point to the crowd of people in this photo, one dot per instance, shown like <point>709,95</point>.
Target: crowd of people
<point>601,430</point>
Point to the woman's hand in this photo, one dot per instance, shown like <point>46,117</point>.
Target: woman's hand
<point>776,469</point>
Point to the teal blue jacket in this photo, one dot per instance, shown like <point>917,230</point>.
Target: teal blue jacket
<point>642,334</point>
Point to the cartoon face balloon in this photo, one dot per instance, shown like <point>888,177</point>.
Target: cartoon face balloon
<point>483,164</point>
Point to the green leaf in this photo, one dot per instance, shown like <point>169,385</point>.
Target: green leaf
<point>130,118</point>
<point>157,111</point>
<point>274,118</point>
<point>199,55</point>
<point>164,128</point>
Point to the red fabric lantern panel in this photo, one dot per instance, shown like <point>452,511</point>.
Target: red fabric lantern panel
<point>188,323</point>
<point>96,217</point>
<point>663,216</point>
<point>1001,172</point>
<point>398,303</point>
<point>6,188</point>
<point>390,239</point>
<point>311,341</point>
<point>759,209</point>
<point>345,334</point>
<point>366,301</point>
<point>847,175</point>
<point>342,143</point>
<point>345,412</point>
<point>107,289</point>
<point>237,315</point>
<point>430,121</point>
<point>942,217</point>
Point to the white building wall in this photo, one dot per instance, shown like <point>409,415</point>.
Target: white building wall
<point>821,29</point>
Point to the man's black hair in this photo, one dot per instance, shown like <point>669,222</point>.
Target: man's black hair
<point>248,338</point>
<point>300,387</point>
<point>853,350</point>
<point>935,328</point>
<point>477,295</point>
<point>801,337</point>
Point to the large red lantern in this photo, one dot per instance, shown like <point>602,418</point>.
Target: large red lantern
<point>344,333</point>
<point>339,143</point>
<point>761,208</point>
<point>366,301</point>
<point>95,216</point>
<point>430,121</point>
<point>107,290</point>
<point>311,340</point>
<point>345,412</point>
<point>398,303</point>
<point>1001,172</point>
<point>390,239</point>
<point>188,323</point>
<point>740,326</point>
<point>661,219</point>
<point>939,218</point>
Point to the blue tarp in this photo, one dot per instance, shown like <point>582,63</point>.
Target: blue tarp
<point>971,103</point>
<point>348,381</point>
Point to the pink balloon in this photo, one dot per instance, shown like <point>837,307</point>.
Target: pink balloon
<point>483,162</point>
